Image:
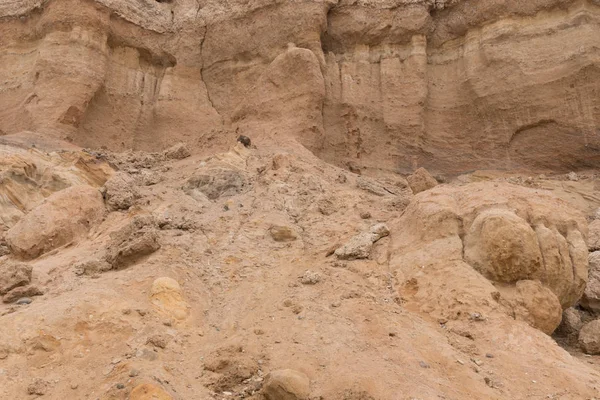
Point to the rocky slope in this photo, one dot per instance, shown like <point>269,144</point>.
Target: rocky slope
<point>144,254</point>
<point>452,85</point>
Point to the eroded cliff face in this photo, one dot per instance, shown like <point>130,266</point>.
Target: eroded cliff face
<point>449,85</point>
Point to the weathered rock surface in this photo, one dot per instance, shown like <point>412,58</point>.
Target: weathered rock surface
<point>13,274</point>
<point>168,298</point>
<point>360,245</point>
<point>571,323</point>
<point>120,191</point>
<point>589,337</point>
<point>149,391</point>
<point>594,238</point>
<point>538,260</point>
<point>22,291</point>
<point>133,242</point>
<point>421,180</point>
<point>63,217</point>
<point>286,384</point>
<point>375,83</point>
<point>591,296</point>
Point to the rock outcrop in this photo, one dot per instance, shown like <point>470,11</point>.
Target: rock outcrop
<point>500,234</point>
<point>63,217</point>
<point>449,85</point>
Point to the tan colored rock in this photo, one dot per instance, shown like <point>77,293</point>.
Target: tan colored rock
<point>538,306</point>
<point>120,191</point>
<point>594,237</point>
<point>281,233</point>
<point>178,151</point>
<point>360,245</point>
<point>589,337</point>
<point>502,246</point>
<point>508,235</point>
<point>216,182</point>
<point>591,296</point>
<point>286,384</point>
<point>63,217</point>
<point>132,243</point>
<point>571,323</point>
<point>13,275</point>
<point>421,180</point>
<point>167,298</point>
<point>22,291</point>
<point>149,391</point>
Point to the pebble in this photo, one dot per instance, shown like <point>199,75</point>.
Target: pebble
<point>120,386</point>
<point>134,373</point>
<point>74,386</point>
<point>423,364</point>
<point>489,355</point>
<point>24,300</point>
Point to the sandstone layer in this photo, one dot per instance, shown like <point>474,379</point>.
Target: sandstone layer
<point>451,85</point>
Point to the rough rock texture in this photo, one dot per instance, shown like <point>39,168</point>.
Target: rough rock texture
<point>537,260</point>
<point>571,323</point>
<point>120,192</point>
<point>13,274</point>
<point>421,180</point>
<point>168,298</point>
<point>412,320</point>
<point>149,391</point>
<point>286,384</point>
<point>62,218</point>
<point>591,297</point>
<point>22,291</point>
<point>388,84</point>
<point>360,245</point>
<point>594,238</point>
<point>136,240</point>
<point>589,337</point>
<point>29,174</point>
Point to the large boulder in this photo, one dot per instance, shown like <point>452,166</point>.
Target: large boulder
<point>526,247</point>
<point>589,337</point>
<point>61,218</point>
<point>286,384</point>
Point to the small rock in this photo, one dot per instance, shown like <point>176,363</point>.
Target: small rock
<point>570,324</point>
<point>589,337</point>
<point>38,387</point>
<point>477,317</point>
<point>178,151</point>
<point>421,180</point>
<point>74,386</point>
<point>572,176</point>
<point>22,292</point>
<point>489,355</point>
<point>133,373</point>
<point>281,233</point>
<point>286,384</point>
<point>310,278</point>
<point>13,274</point>
<point>160,341</point>
<point>120,191</point>
<point>423,364</point>
<point>24,301</point>
<point>365,215</point>
<point>120,386</point>
<point>359,246</point>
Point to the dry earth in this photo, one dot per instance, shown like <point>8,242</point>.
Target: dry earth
<point>417,217</point>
